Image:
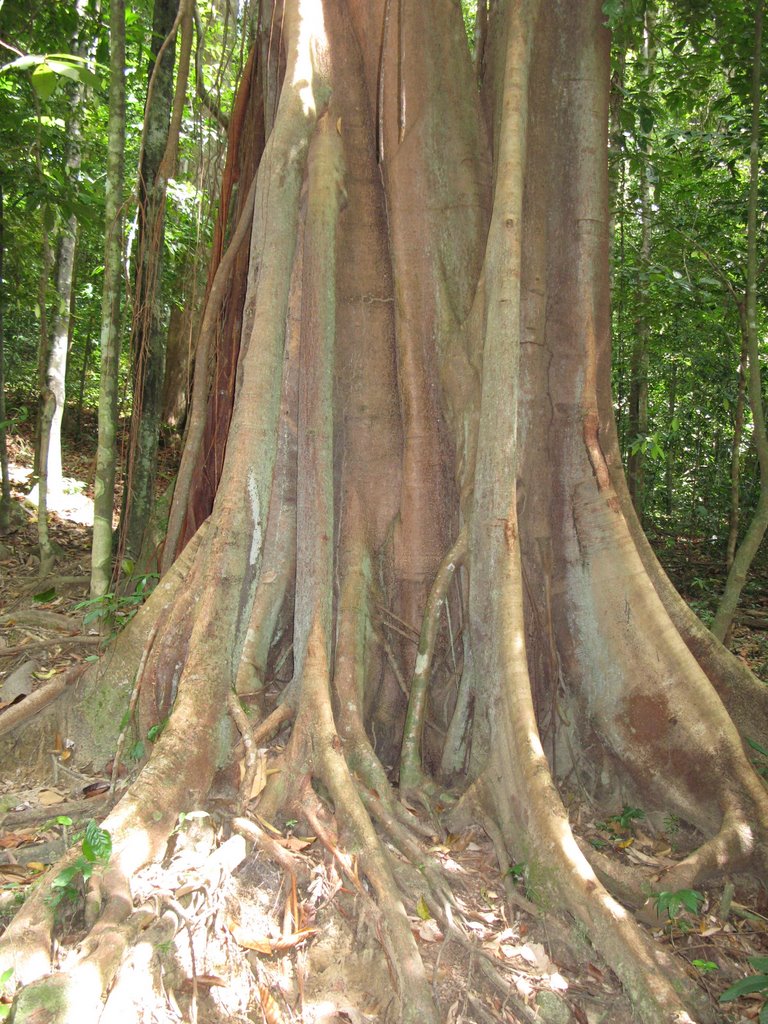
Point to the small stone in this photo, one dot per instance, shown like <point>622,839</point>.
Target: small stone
<point>552,1008</point>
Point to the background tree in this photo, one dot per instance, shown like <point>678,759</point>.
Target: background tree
<point>106,455</point>
<point>691,138</point>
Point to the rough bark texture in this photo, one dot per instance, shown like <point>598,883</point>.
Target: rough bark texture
<point>106,452</point>
<point>412,483</point>
<point>148,334</point>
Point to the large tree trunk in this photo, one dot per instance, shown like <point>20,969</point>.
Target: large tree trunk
<point>421,423</point>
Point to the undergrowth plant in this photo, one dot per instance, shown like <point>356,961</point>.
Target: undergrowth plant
<point>96,849</point>
<point>115,609</point>
<point>754,983</point>
<point>670,905</point>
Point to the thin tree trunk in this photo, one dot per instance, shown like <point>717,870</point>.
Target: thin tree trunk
<point>738,431</point>
<point>162,122</point>
<point>5,485</point>
<point>57,351</point>
<point>749,546</point>
<point>669,467</point>
<point>638,391</point>
<point>106,452</point>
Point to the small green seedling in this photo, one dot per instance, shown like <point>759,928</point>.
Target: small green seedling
<point>5,1008</point>
<point>670,904</point>
<point>627,816</point>
<point>619,821</point>
<point>671,824</point>
<point>704,966</point>
<point>69,884</point>
<point>517,871</point>
<point>117,610</point>
<point>754,983</point>
<point>760,762</point>
<point>155,731</point>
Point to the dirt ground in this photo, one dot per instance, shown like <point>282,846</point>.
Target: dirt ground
<point>230,936</point>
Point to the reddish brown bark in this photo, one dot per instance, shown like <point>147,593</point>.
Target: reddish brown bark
<point>422,344</point>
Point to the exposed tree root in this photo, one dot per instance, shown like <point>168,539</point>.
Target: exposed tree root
<point>397,389</point>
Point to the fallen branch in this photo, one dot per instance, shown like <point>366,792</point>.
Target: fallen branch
<point>32,705</point>
<point>36,645</point>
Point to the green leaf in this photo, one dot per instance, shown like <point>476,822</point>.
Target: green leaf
<point>691,899</point>
<point>44,82</point>
<point>705,965</point>
<point>137,751</point>
<point>63,879</point>
<point>45,596</point>
<point>97,843</point>
<point>49,218</point>
<point>757,747</point>
<point>154,732</point>
<point>422,909</point>
<point>754,983</point>
<point>29,61</point>
<point>760,963</point>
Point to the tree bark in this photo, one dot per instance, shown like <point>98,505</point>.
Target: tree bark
<point>416,478</point>
<point>5,482</point>
<point>162,120</point>
<point>738,430</point>
<point>106,452</point>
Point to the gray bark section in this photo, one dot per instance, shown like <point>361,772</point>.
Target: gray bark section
<point>106,453</point>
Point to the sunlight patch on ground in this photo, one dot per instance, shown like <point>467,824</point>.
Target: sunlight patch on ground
<point>71,503</point>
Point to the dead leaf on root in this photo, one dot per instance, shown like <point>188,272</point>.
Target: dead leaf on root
<point>14,839</point>
<point>49,797</point>
<point>272,1012</point>
<point>296,843</point>
<point>209,980</point>
<point>265,944</point>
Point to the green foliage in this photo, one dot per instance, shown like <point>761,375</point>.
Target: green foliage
<point>117,610</point>
<point>5,977</point>
<point>671,824</point>
<point>683,126</point>
<point>760,762</point>
<point>36,90</point>
<point>705,966</point>
<point>614,823</point>
<point>155,731</point>
<point>69,884</point>
<point>670,904</point>
<point>49,68</point>
<point>754,983</point>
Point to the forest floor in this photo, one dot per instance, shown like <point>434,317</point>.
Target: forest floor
<point>256,945</point>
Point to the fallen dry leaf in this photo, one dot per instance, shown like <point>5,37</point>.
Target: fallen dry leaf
<point>48,797</point>
<point>296,843</point>
<point>14,839</point>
